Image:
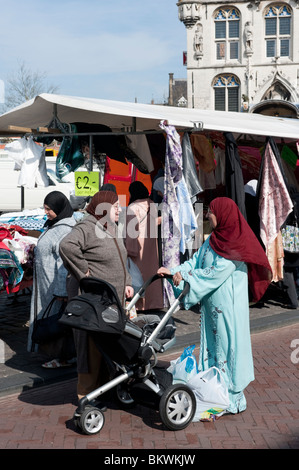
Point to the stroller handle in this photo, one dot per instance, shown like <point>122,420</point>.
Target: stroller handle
<point>143,288</point>
<point>166,276</point>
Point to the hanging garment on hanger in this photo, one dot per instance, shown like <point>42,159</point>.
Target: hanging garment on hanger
<point>275,203</point>
<point>220,165</point>
<point>30,160</point>
<point>70,156</point>
<point>170,232</point>
<point>139,145</point>
<point>189,169</point>
<point>188,223</point>
<point>233,173</point>
<point>203,152</point>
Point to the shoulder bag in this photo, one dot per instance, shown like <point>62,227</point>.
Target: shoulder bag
<point>47,329</point>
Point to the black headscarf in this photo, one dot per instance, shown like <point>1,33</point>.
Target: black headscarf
<point>60,204</point>
<point>138,191</point>
<point>108,187</point>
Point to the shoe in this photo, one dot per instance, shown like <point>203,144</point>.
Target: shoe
<point>55,364</point>
<point>290,307</point>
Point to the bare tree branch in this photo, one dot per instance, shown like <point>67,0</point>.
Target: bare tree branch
<point>24,85</point>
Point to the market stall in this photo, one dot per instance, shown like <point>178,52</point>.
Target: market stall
<point>226,149</point>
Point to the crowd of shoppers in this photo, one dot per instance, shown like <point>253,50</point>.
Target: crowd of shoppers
<point>228,271</point>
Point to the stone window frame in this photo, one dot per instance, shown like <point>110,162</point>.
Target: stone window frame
<point>228,46</point>
<point>226,82</point>
<point>275,10</point>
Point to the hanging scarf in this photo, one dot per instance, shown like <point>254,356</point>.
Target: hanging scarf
<point>170,230</point>
<point>233,239</point>
<point>59,204</point>
<point>275,203</point>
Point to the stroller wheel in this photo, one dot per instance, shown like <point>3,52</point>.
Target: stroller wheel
<point>177,407</point>
<point>123,396</point>
<point>92,420</point>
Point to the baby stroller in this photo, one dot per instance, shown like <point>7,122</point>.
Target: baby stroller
<point>131,353</point>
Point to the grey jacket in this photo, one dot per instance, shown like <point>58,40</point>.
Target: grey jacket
<point>89,247</point>
<point>49,272</point>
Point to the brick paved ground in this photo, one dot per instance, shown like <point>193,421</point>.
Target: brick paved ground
<point>41,418</point>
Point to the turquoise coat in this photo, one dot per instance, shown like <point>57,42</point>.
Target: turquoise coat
<point>221,287</point>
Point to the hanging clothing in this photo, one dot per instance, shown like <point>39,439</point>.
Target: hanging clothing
<point>30,159</point>
<point>220,165</point>
<point>139,145</point>
<point>189,169</point>
<point>233,173</point>
<point>170,230</point>
<point>203,152</point>
<point>275,203</point>
<point>188,223</point>
<point>11,272</point>
<point>252,208</point>
<point>275,256</point>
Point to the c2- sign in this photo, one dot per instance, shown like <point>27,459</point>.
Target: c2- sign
<point>86,183</point>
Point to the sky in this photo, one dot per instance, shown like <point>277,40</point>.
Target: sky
<point>109,49</point>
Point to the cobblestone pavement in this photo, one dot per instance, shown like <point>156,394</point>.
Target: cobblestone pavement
<point>41,418</point>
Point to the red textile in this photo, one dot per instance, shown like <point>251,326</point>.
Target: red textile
<point>233,239</point>
<point>4,233</point>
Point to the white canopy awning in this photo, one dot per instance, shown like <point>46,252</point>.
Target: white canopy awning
<point>118,115</point>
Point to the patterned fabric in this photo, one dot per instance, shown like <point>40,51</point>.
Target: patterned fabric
<point>275,203</point>
<point>36,222</point>
<point>290,238</point>
<point>11,272</point>
<point>170,230</point>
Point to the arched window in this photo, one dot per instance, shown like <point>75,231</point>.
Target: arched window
<point>227,33</point>
<point>278,30</point>
<point>226,92</point>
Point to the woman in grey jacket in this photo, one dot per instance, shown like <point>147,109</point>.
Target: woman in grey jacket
<point>49,274</point>
<point>93,249</point>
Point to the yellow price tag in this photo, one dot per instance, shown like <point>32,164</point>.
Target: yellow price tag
<point>86,183</point>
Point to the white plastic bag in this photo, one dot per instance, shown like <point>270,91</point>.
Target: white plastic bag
<point>211,393</point>
<point>185,367</point>
<point>137,279</point>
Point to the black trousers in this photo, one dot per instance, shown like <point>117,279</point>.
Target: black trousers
<point>289,286</point>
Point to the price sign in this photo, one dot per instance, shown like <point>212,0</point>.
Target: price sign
<point>86,183</point>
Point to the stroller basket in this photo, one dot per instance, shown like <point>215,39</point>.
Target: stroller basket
<point>97,309</point>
